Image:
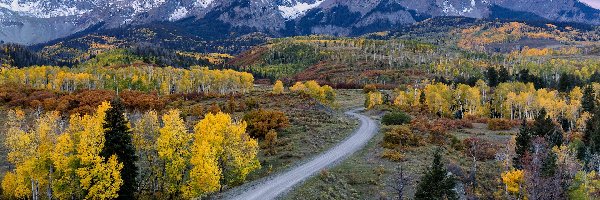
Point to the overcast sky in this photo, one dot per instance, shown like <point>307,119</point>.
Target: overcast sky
<point>593,3</point>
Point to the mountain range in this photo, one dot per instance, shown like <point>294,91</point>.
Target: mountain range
<point>39,21</point>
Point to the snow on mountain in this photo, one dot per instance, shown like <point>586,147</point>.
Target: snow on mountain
<point>592,3</point>
<point>297,10</point>
<point>202,3</point>
<point>178,14</point>
<point>35,21</point>
<point>38,9</point>
<point>140,6</point>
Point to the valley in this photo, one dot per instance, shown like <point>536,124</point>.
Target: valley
<point>302,100</point>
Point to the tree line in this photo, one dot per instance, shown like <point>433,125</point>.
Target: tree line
<point>165,81</point>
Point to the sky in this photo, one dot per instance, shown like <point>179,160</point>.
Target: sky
<point>593,3</point>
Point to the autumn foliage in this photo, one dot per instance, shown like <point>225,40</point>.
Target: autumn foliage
<point>260,122</point>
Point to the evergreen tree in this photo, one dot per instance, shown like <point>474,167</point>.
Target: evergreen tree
<point>591,137</point>
<point>523,144</point>
<point>503,75</point>
<point>492,76</point>
<point>549,166</point>
<point>545,127</point>
<point>422,98</point>
<point>595,78</point>
<point>436,184</point>
<point>118,141</point>
<point>588,101</point>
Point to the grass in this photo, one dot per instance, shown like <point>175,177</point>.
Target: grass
<point>365,175</point>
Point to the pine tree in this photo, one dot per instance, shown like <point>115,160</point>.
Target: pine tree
<point>503,75</point>
<point>523,144</point>
<point>549,166</point>
<point>119,142</point>
<point>492,76</point>
<point>545,127</point>
<point>422,98</point>
<point>588,102</point>
<point>591,137</point>
<point>436,184</point>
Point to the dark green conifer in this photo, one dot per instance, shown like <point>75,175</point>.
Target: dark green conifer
<point>436,183</point>
<point>118,141</point>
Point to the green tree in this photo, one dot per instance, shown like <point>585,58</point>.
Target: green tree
<point>119,142</point>
<point>545,127</point>
<point>523,144</point>
<point>591,136</point>
<point>492,76</point>
<point>588,101</point>
<point>503,75</point>
<point>436,183</point>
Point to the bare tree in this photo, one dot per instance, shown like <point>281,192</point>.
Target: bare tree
<point>400,181</point>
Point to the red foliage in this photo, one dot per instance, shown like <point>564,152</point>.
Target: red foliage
<point>136,100</point>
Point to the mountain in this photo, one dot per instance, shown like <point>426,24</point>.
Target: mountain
<point>39,21</point>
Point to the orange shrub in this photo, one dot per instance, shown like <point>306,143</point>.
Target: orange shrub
<point>401,136</point>
<point>260,122</point>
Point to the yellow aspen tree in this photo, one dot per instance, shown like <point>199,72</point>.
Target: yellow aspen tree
<point>373,99</point>
<point>30,153</point>
<point>222,153</point>
<point>173,147</point>
<point>514,181</point>
<point>66,182</point>
<point>145,137</point>
<point>278,87</point>
<point>239,154</point>
<point>17,184</point>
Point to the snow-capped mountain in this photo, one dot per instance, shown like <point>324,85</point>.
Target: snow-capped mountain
<point>36,21</point>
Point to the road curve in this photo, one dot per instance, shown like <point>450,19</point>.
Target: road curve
<point>275,186</point>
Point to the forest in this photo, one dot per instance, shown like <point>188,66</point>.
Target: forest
<point>485,110</point>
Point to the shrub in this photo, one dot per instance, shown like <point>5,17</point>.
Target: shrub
<point>392,155</point>
<point>369,88</point>
<point>396,118</point>
<point>270,142</point>
<point>214,108</point>
<point>499,124</point>
<point>401,136</point>
<point>260,122</point>
<point>437,134</point>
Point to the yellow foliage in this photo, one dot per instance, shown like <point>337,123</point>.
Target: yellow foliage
<point>278,87</point>
<point>173,146</point>
<point>513,180</point>
<point>218,138</point>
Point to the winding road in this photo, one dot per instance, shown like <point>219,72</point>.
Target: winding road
<point>273,187</point>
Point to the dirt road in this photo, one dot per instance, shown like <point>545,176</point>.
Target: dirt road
<point>279,184</point>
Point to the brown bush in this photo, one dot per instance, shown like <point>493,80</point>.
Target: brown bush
<point>369,88</point>
<point>401,136</point>
<point>499,124</point>
<point>420,123</point>
<point>481,149</point>
<point>214,108</point>
<point>270,142</point>
<point>437,134</point>
<point>136,100</point>
<point>260,122</point>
